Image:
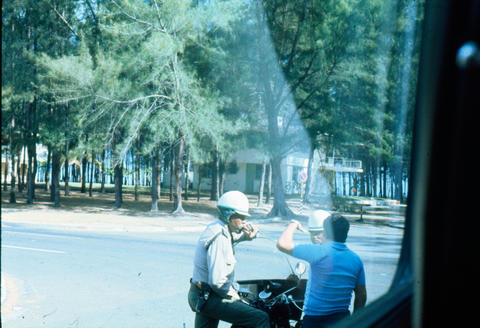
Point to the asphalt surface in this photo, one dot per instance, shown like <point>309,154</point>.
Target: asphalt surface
<point>135,274</point>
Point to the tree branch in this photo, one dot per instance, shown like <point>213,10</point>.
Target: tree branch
<point>63,19</point>
<point>132,100</point>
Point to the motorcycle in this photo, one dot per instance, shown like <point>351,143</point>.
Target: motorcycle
<point>282,299</point>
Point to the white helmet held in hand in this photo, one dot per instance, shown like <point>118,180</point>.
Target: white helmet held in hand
<point>316,219</point>
<point>235,201</point>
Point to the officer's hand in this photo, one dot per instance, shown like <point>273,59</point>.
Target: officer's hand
<point>250,231</point>
<point>298,225</point>
<point>233,296</point>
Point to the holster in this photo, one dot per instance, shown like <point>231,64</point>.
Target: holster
<point>203,296</point>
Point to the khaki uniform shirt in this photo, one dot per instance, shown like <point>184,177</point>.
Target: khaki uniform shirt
<point>214,261</point>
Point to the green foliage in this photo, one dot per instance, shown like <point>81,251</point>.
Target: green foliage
<point>223,75</point>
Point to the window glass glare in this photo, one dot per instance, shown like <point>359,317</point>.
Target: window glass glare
<point>159,107</point>
<point>332,87</point>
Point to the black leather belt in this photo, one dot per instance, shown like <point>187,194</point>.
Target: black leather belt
<point>198,284</point>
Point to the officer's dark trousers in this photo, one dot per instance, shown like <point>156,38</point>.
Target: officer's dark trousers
<point>218,308</point>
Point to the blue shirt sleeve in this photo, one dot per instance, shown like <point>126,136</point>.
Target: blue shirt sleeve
<point>309,253</point>
<point>361,277</point>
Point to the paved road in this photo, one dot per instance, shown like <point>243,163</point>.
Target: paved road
<point>84,279</point>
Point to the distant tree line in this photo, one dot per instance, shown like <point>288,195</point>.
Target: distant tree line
<point>176,82</point>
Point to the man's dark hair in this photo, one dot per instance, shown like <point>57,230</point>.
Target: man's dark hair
<point>336,228</point>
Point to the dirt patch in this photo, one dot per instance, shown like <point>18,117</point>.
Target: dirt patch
<point>80,211</point>
<point>101,202</point>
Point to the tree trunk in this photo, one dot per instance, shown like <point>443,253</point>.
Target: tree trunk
<point>178,209</point>
<point>380,180</point>
<point>12,177</point>
<point>55,188</point>
<point>280,207</point>
<point>67,171</point>
<point>214,191</point>
<point>5,173</point>
<point>30,173</point>
<point>156,168</point>
<point>269,184</point>
<point>172,170</point>
<point>397,178</point>
<point>137,176</point>
<point>368,182</point>
<point>118,180</point>
<point>272,103</point>
<point>67,164</point>
<point>400,182</point>
<point>308,184</point>
<point>19,181</point>
<point>137,168</point>
<point>199,181</point>
<point>47,171</point>
<point>262,184</point>
<point>22,168</point>
<point>102,186</point>
<point>32,129</point>
<point>117,171</point>
<point>31,153</point>
<point>362,183</point>
<point>12,153</point>
<point>384,193</point>
<point>35,165</point>
<point>187,182</point>
<point>83,189</point>
<point>222,177</point>
<point>90,187</point>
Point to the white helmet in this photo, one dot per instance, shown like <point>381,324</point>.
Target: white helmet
<point>316,219</point>
<point>235,201</point>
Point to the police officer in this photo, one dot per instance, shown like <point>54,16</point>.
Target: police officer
<point>211,294</point>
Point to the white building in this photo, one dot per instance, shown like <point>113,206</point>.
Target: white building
<point>246,171</point>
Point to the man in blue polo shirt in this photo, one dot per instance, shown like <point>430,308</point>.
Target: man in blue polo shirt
<point>335,270</point>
